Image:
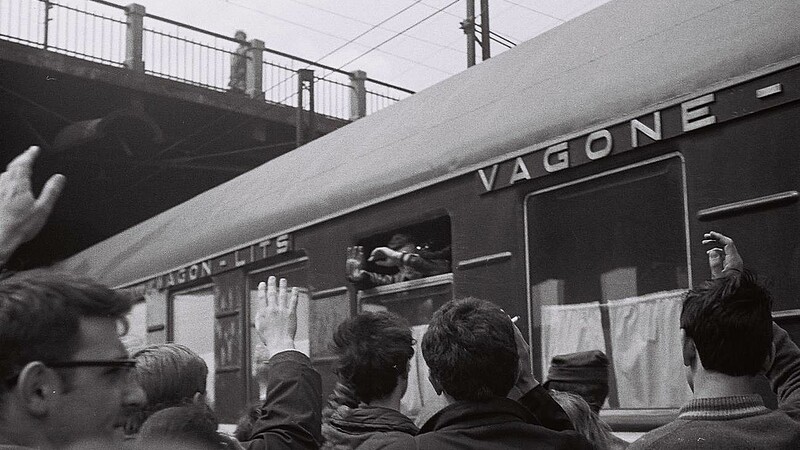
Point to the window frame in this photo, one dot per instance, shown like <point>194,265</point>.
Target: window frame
<point>527,237</point>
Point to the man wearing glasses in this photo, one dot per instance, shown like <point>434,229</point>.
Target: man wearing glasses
<point>66,378</point>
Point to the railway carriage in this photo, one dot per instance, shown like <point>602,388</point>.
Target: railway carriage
<point>572,178</point>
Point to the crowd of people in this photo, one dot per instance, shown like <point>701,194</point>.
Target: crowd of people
<point>68,381</point>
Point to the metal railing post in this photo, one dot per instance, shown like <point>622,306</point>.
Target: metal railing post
<point>255,67</point>
<point>358,94</point>
<point>305,129</point>
<point>134,37</point>
<point>47,8</point>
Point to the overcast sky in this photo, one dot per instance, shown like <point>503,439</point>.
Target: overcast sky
<point>427,53</point>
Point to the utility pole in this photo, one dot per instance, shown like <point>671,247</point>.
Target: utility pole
<point>468,25</point>
<point>485,29</point>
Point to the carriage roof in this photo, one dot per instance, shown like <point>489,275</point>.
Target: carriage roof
<point>623,57</point>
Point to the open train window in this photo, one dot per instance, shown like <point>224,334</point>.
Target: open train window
<point>608,269</point>
<point>425,248</point>
<point>414,299</point>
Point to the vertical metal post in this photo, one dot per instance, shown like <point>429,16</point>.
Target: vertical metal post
<point>47,6</point>
<point>468,25</point>
<point>358,94</point>
<point>134,36</point>
<point>485,39</point>
<point>305,129</point>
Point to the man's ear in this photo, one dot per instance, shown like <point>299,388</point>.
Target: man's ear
<point>436,386</point>
<point>688,349</point>
<point>36,388</point>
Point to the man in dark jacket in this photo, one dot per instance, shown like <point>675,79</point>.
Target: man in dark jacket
<point>471,350</point>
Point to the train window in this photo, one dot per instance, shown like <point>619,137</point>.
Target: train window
<point>608,269</point>
<point>427,245</point>
<point>193,326</point>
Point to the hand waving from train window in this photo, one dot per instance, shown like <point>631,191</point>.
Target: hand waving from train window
<point>354,266</point>
<point>22,215</point>
<point>723,259</point>
<point>276,321</point>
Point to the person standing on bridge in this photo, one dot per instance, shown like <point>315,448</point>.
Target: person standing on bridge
<point>238,81</point>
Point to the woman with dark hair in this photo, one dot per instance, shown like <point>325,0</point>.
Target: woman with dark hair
<point>373,351</point>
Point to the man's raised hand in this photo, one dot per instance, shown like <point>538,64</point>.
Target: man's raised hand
<point>276,321</point>
<point>723,259</point>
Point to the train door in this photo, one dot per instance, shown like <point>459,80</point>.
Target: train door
<point>607,268</point>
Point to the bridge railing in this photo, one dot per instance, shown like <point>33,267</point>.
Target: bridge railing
<point>127,36</point>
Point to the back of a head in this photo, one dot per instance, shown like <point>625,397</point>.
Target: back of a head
<point>191,425</point>
<point>585,421</point>
<point>730,321</point>
<point>470,350</point>
<point>170,375</point>
<point>40,315</point>
<point>372,350</point>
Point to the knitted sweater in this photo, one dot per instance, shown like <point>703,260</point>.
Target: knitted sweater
<point>740,422</point>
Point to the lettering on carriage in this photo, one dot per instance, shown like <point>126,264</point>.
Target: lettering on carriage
<point>264,245</point>
<point>488,183</point>
<point>561,153</point>
<point>653,133</point>
<point>282,243</point>
<point>695,115</point>
<point>520,171</point>
<point>239,262</point>
<point>596,153</point>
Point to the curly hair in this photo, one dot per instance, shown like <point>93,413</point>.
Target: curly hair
<point>470,350</point>
<point>373,348</point>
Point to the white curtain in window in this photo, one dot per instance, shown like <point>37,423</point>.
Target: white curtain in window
<point>569,329</point>
<point>420,400</point>
<point>645,338</point>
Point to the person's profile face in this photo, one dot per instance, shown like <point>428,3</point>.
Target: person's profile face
<point>95,399</point>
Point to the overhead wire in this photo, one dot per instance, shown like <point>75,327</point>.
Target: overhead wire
<point>364,22</point>
<point>370,29</point>
<point>535,11</point>
<point>258,11</point>
<point>400,33</point>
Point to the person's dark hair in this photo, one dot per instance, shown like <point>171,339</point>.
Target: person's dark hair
<point>40,314</point>
<point>193,424</point>
<point>170,375</point>
<point>372,350</point>
<point>730,321</point>
<point>470,350</point>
